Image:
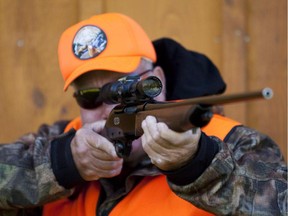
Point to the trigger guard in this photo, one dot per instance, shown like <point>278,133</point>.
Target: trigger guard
<point>123,150</point>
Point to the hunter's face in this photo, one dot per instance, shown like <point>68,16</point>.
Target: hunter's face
<point>88,85</point>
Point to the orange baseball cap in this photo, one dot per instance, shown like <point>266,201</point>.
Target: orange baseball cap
<point>110,41</point>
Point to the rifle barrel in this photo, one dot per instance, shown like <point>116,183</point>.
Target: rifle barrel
<point>265,93</point>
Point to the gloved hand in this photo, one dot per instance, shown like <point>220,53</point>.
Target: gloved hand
<point>95,156</point>
<point>167,149</point>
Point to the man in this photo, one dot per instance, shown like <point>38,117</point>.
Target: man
<point>224,168</point>
<point>205,171</point>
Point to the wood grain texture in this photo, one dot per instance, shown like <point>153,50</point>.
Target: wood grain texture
<point>31,83</point>
<point>267,65</point>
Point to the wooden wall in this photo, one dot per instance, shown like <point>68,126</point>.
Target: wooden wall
<point>246,39</point>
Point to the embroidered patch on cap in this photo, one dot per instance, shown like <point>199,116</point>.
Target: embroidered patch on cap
<point>89,42</point>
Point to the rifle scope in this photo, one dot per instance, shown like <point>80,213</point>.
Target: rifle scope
<point>131,90</point>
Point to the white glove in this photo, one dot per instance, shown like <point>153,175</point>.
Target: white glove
<point>95,156</point>
<point>167,149</point>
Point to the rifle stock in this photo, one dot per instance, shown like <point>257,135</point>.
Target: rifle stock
<point>124,122</point>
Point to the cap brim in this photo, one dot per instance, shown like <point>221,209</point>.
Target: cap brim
<point>116,64</point>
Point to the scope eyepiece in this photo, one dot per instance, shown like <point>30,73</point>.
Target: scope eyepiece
<point>131,90</point>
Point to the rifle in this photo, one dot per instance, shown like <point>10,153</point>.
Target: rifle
<point>136,101</point>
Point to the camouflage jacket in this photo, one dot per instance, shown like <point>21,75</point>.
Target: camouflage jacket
<point>246,176</point>
<point>26,177</point>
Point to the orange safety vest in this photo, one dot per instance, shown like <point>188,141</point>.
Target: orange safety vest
<point>152,196</point>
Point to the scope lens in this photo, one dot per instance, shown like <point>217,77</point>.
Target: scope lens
<point>151,87</point>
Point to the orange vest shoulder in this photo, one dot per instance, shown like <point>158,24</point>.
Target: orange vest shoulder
<point>219,126</point>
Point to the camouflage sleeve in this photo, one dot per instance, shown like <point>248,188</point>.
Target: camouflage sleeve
<point>26,176</point>
<point>248,176</point>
